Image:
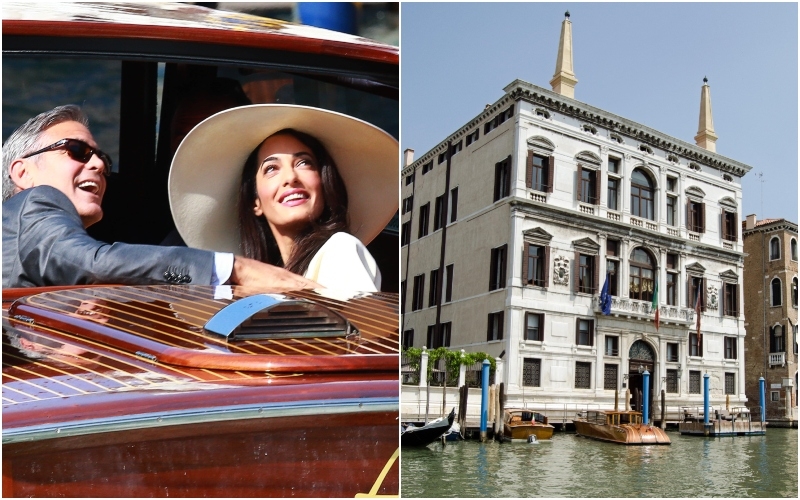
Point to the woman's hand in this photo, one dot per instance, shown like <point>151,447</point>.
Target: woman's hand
<point>249,272</point>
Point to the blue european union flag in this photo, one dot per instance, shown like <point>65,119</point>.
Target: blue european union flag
<point>605,298</point>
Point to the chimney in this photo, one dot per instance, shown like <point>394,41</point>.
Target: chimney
<point>408,157</point>
<point>706,138</point>
<point>564,80</point>
<point>750,221</point>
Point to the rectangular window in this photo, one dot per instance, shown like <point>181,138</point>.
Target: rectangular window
<point>497,273</point>
<point>419,292</point>
<point>672,183</point>
<point>694,382</point>
<point>453,204</point>
<point>408,339</point>
<point>612,248</point>
<point>672,261</point>
<point>427,167</point>
<point>502,178</point>
<point>613,194</point>
<point>408,204</point>
<point>730,383</point>
<point>472,137</point>
<point>448,283</point>
<point>424,214</point>
<point>447,329</point>
<point>731,299</point>
<point>586,274</point>
<point>671,203</point>
<point>613,277</point>
<point>405,233</point>
<point>584,331</point>
<point>456,148</point>
<point>534,326</point>
<point>442,339</point>
<point>583,375</point>
<point>775,396</point>
<point>730,347</point>
<point>729,231</point>
<point>587,185</point>
<point>610,376</point>
<point>439,215</point>
<point>410,178</point>
<point>695,344</point>
<point>495,327</point>
<point>695,216</point>
<point>539,170</point>
<point>534,267</point>
<point>433,288</point>
<point>672,381</point>
<point>696,286</point>
<point>613,165</point>
<point>672,289</point>
<point>672,352</point>
<point>612,345</point>
<point>442,158</point>
<point>532,372</point>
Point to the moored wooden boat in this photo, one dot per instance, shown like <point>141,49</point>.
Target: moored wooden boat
<point>519,425</point>
<point>623,427</point>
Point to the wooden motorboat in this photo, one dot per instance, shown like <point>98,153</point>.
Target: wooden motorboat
<point>519,425</point>
<point>427,434</point>
<point>623,427</point>
<point>125,391</point>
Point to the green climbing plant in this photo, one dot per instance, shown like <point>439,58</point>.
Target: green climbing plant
<point>453,360</point>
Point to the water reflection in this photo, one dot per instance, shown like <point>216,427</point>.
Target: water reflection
<point>571,466</point>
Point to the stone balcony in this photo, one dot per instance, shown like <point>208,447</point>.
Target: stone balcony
<point>777,359</point>
<point>639,309</point>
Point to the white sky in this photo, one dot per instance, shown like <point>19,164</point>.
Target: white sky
<point>642,61</point>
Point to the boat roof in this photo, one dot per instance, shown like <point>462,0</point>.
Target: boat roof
<point>184,22</point>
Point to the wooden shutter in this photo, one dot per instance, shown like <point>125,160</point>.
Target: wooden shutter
<point>546,271</point>
<point>598,175</point>
<point>577,331</point>
<point>722,298</point>
<point>702,217</point>
<point>689,302</point>
<point>735,225</point>
<point>723,224</point>
<point>579,184</point>
<point>525,250</point>
<point>591,333</point>
<point>575,271</point>
<point>703,296</point>
<point>529,170</point>
<point>551,166</point>
<point>596,266</point>
<point>689,225</point>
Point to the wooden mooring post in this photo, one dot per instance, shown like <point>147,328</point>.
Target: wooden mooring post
<point>663,409</point>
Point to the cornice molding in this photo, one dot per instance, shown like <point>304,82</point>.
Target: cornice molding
<point>521,90</point>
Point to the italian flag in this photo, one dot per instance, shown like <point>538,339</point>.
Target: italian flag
<point>655,302</point>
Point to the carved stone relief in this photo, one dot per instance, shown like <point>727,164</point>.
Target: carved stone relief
<point>561,271</point>
<point>713,303</point>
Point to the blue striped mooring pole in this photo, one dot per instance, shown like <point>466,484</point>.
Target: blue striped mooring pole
<point>484,397</point>
<point>646,397</point>
<point>705,400</point>
<point>762,394</point>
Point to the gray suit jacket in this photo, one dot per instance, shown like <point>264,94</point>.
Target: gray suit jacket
<point>45,243</point>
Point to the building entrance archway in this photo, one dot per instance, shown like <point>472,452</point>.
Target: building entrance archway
<point>640,358</point>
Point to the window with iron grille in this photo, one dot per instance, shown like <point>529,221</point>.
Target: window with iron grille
<point>583,375</point>
<point>532,372</point>
<point>672,381</point>
<point>694,382</point>
<point>610,377</point>
<point>730,383</point>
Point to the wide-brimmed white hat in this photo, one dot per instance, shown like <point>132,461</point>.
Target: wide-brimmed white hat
<point>206,170</point>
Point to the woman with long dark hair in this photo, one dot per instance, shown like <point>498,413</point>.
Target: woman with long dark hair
<point>311,189</point>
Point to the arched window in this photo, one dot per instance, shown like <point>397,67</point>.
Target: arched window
<point>794,291</point>
<point>776,292</point>
<point>774,248</point>
<point>643,269</point>
<point>777,342</point>
<point>642,194</point>
<point>794,249</point>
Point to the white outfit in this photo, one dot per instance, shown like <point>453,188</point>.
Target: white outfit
<point>344,263</point>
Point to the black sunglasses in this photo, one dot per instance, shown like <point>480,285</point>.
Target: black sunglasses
<point>78,151</point>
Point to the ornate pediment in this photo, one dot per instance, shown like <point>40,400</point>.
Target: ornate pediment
<point>587,245</point>
<point>695,268</point>
<point>537,235</point>
<point>729,275</point>
<point>540,142</point>
<point>695,191</point>
<point>588,157</point>
<point>728,202</point>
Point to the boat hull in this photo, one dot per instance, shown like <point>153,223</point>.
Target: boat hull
<point>630,434</point>
<point>521,433</point>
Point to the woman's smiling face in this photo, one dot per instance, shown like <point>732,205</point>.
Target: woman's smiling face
<point>288,185</point>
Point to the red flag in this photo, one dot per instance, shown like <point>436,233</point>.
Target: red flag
<point>697,311</point>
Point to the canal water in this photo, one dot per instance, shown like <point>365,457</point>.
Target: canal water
<point>573,466</point>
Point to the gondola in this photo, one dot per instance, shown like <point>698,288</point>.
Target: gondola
<point>430,432</point>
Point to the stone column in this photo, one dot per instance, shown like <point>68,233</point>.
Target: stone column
<point>462,371</point>
<point>423,368</point>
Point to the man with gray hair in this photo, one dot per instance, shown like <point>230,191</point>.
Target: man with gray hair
<point>54,179</point>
